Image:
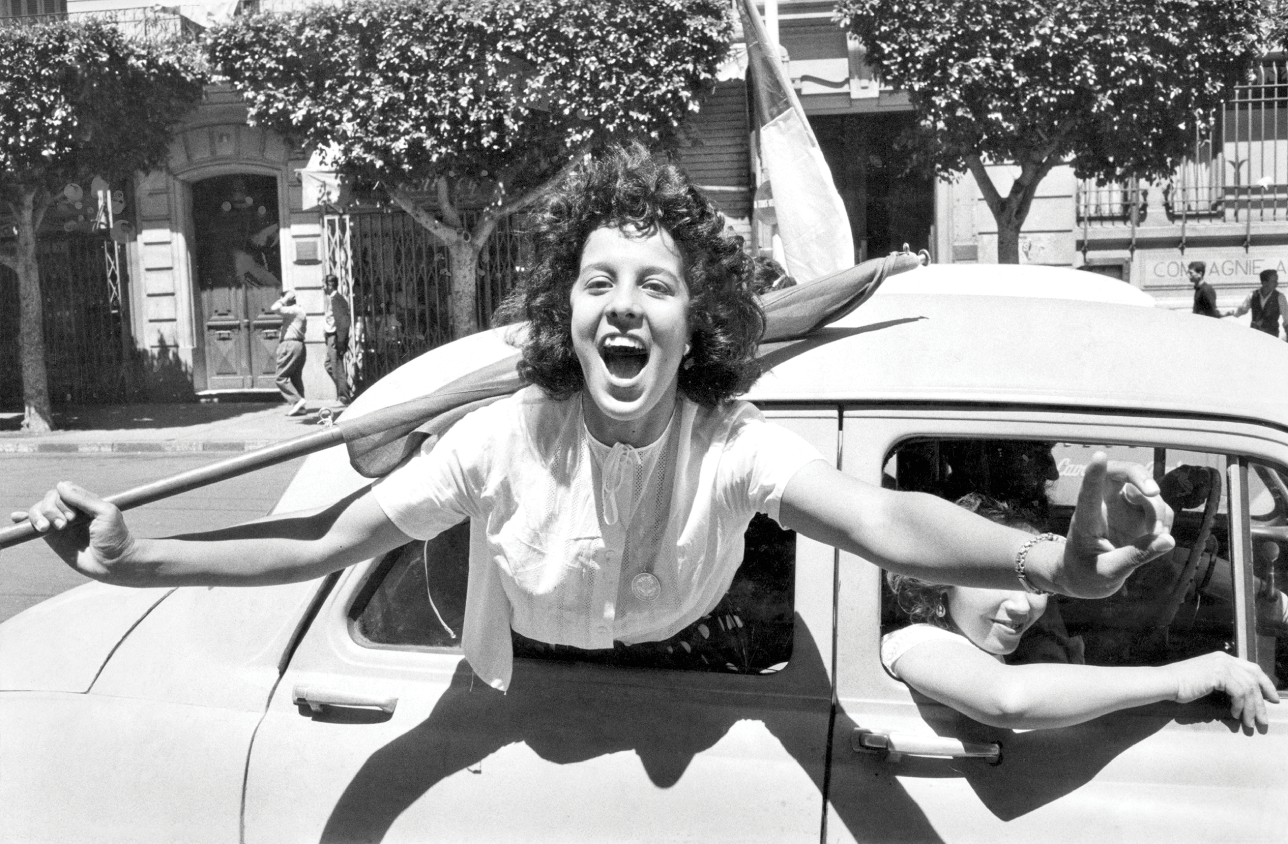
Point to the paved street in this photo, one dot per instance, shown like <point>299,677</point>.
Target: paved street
<point>30,573</point>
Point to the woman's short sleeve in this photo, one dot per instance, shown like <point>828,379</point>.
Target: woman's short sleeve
<point>438,487</point>
<point>899,642</point>
<point>766,456</point>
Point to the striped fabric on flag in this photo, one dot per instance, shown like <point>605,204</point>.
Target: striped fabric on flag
<point>811,218</point>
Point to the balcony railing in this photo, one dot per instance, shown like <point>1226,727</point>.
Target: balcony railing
<point>1111,204</point>
<point>1237,172</point>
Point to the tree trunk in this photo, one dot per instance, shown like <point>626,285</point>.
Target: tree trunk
<point>465,247</point>
<point>1008,237</point>
<point>1011,211</point>
<point>464,257</point>
<point>38,418</point>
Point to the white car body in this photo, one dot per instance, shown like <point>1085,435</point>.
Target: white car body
<point>259,715</point>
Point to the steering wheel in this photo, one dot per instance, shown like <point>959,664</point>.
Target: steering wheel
<point>1169,599</point>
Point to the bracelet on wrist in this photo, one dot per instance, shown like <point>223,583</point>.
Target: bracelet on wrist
<point>1021,558</point>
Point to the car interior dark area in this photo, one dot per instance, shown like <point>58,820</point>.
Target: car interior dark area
<point>415,598</point>
<point>1179,606</point>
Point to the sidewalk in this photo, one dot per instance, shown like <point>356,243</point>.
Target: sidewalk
<point>228,426</point>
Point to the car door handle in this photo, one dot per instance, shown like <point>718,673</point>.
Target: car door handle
<point>898,745</point>
<point>316,699</point>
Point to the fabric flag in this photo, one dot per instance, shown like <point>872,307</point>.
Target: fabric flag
<point>426,396</point>
<point>810,215</point>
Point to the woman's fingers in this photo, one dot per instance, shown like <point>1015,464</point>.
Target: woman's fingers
<point>1248,687</point>
<point>47,514</point>
<point>74,496</point>
<point>1121,523</point>
<point>60,506</point>
<point>1134,505</point>
<point>1088,516</point>
<point>1256,690</point>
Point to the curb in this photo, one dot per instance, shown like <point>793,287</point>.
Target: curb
<point>128,447</point>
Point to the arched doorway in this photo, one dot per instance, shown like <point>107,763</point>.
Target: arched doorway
<point>238,265</point>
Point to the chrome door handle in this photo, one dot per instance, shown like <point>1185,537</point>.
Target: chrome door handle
<point>898,745</point>
<point>315,699</point>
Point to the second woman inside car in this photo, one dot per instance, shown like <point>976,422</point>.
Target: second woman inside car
<point>954,653</point>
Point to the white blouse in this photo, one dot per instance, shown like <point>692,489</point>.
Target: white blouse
<point>562,523</point>
<point>898,642</point>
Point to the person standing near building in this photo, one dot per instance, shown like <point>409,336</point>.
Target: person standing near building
<point>1204,295</point>
<point>336,334</point>
<point>1268,305</point>
<point>291,352</point>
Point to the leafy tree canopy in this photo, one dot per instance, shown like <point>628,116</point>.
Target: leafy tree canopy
<point>496,92</point>
<point>1117,87</point>
<point>79,99</point>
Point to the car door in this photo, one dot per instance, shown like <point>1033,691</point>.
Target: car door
<point>375,735</point>
<point>905,768</point>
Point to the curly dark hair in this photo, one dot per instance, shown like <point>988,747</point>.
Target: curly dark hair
<point>629,186</point>
<point>921,599</point>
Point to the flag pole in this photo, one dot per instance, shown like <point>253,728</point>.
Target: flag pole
<point>202,476</point>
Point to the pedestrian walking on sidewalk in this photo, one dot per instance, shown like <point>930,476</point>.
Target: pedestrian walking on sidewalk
<point>290,352</point>
<point>1204,295</point>
<point>335,332</point>
<point>1268,305</point>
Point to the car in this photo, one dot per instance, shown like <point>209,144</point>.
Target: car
<point>341,709</point>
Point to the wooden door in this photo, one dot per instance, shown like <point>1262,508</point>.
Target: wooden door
<point>238,269</point>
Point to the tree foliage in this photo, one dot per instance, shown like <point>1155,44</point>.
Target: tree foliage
<point>77,100</point>
<point>477,103</point>
<point>1117,89</point>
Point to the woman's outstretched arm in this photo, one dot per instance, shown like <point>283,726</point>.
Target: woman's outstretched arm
<point>91,536</point>
<point>1120,524</point>
<point>1036,696</point>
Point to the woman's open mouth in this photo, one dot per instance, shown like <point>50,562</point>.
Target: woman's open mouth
<point>624,356</point>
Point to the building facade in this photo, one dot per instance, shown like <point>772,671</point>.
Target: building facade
<point>1227,205</point>
<point>208,242</point>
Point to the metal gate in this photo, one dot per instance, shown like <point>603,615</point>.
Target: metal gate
<point>82,281</point>
<point>397,279</point>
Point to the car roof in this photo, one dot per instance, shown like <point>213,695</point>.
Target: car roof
<point>908,346</point>
<point>1023,280</point>
<point>981,334</point>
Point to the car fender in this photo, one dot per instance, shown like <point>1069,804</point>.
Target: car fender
<point>62,644</point>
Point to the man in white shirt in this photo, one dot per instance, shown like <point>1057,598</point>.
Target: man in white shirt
<point>335,332</point>
<point>291,352</point>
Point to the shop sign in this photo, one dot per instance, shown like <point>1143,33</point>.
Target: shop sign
<point>1225,267</point>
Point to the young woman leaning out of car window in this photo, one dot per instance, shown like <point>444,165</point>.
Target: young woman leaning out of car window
<point>622,479</point>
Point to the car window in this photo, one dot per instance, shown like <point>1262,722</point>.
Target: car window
<point>1268,525</point>
<point>415,598</point>
<point>1174,608</point>
<point>1267,495</point>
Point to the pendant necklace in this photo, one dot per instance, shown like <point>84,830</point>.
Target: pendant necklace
<point>646,587</point>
